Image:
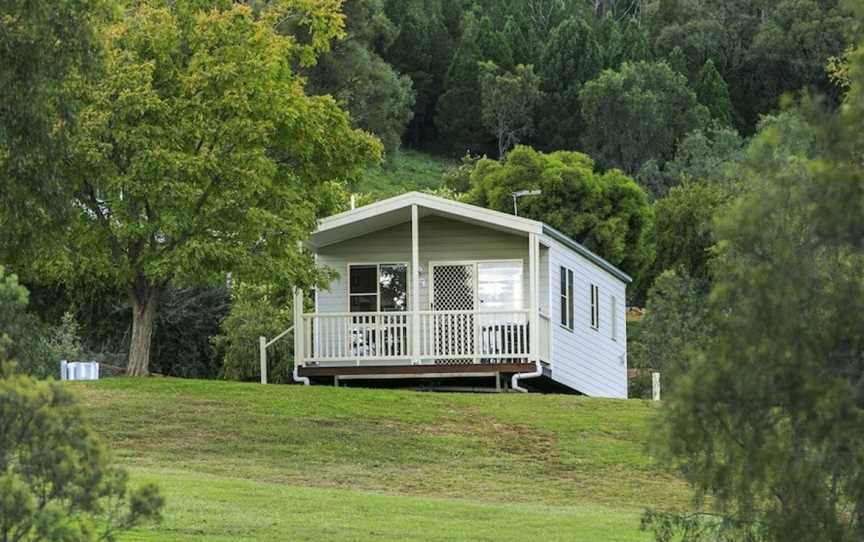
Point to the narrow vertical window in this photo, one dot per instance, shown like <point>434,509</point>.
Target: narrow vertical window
<point>614,309</point>
<point>566,297</point>
<point>595,307</point>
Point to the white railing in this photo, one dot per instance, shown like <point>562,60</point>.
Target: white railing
<point>470,336</point>
<point>481,335</point>
<point>355,336</point>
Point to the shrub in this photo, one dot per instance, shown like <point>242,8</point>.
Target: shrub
<point>256,311</point>
<point>56,482</point>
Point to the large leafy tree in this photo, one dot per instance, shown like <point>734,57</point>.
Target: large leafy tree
<point>198,153</point>
<point>608,212</point>
<point>767,422</point>
<point>508,101</point>
<point>638,113</point>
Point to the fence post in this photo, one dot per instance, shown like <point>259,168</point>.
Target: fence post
<point>655,386</point>
<point>262,345</point>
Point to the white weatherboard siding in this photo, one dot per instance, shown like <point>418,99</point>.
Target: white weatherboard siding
<point>441,240</point>
<point>585,359</point>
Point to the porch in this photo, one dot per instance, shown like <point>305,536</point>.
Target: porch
<point>446,337</point>
<point>426,289</point>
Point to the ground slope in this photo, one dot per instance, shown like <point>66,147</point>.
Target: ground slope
<point>404,171</point>
<point>251,462</point>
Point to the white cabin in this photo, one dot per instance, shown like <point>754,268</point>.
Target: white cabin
<point>428,287</point>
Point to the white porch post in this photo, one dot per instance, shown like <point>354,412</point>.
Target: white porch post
<point>415,286</point>
<point>298,327</point>
<point>533,297</point>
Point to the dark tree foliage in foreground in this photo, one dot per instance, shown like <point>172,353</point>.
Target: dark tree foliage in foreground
<point>56,482</point>
<point>766,424</point>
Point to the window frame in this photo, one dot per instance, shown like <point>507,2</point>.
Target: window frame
<point>377,293</point>
<point>594,307</point>
<point>565,298</point>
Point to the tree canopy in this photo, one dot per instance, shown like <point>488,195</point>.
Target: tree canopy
<point>638,113</point>
<point>607,212</point>
<point>197,153</point>
<point>766,423</point>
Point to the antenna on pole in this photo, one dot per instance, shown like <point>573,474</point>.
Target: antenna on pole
<point>519,193</point>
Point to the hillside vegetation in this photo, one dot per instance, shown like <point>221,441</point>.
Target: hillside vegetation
<point>403,172</point>
<point>250,462</point>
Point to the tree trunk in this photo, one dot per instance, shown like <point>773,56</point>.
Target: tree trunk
<point>144,299</point>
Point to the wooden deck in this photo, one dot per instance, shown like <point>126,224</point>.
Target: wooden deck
<point>418,371</point>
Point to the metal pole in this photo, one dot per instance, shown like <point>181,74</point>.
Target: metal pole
<point>262,345</point>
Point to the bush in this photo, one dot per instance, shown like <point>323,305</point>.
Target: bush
<point>39,347</point>
<point>256,311</point>
<point>639,385</point>
<point>56,482</point>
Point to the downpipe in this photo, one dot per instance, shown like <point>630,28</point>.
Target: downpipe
<point>514,380</point>
<point>297,378</point>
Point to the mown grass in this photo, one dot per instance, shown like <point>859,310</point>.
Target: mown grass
<point>246,462</point>
<point>404,171</point>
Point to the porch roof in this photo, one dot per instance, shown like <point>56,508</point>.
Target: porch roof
<point>397,210</point>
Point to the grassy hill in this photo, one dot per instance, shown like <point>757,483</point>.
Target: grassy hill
<point>404,171</point>
<point>251,462</point>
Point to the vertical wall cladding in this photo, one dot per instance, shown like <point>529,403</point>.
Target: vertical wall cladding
<point>441,240</point>
<point>586,359</point>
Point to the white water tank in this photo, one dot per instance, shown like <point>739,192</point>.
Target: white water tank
<point>79,370</point>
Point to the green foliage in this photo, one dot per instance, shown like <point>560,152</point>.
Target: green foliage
<point>458,115</point>
<point>41,43</point>
<point>38,347</point>
<point>187,318</point>
<point>378,98</point>
<point>711,91</point>
<point>256,311</point>
<point>711,154</point>
<point>793,45</point>
<point>637,113</point>
<point>508,100</point>
<point>606,212</point>
<point>403,172</point>
<point>56,482</point>
<point>571,57</point>
<point>422,51</point>
<point>766,423</point>
<point>198,153</point>
<point>675,323</point>
<point>683,227</point>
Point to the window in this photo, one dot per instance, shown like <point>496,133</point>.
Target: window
<point>378,287</point>
<point>595,307</point>
<point>567,297</point>
<point>614,309</point>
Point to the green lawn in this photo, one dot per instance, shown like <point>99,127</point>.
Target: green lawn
<point>251,462</point>
<point>403,172</point>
